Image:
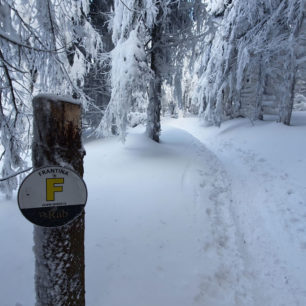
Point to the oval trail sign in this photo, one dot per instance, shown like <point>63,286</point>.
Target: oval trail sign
<point>52,196</point>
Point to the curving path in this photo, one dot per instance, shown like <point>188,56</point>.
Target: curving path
<point>160,229</point>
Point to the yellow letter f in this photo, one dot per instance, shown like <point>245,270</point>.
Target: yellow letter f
<point>51,188</point>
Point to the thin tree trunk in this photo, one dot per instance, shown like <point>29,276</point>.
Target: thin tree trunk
<point>154,108</point>
<point>287,118</point>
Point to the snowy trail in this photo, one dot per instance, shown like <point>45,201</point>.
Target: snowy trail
<point>210,216</point>
<point>268,208</point>
<point>172,240</point>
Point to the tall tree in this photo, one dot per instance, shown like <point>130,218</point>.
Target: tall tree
<point>182,28</point>
<point>130,72</point>
<point>97,85</point>
<point>45,46</point>
<point>163,30</point>
<point>155,85</point>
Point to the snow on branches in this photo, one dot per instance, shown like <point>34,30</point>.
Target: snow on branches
<point>249,64</point>
<point>45,46</point>
<point>129,77</point>
<point>130,72</point>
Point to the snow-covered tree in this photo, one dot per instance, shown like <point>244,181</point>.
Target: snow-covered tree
<point>249,64</point>
<point>130,73</point>
<point>163,29</point>
<point>45,46</point>
<point>97,83</point>
<point>174,36</point>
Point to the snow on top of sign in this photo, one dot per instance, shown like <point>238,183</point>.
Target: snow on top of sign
<point>53,97</point>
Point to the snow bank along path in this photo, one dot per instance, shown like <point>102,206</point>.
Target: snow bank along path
<point>159,225</point>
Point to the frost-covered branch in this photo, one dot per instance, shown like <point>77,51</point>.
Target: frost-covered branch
<point>10,83</point>
<point>249,61</point>
<point>35,37</point>
<point>15,174</point>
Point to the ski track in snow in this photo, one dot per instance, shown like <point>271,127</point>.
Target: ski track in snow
<point>275,265</point>
<point>225,283</point>
<point>269,212</point>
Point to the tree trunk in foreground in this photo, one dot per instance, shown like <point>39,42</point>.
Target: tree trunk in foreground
<point>59,252</point>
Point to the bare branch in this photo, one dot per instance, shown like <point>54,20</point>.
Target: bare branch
<point>27,26</point>
<point>13,67</point>
<point>8,77</point>
<point>15,174</point>
<point>131,10</point>
<point>20,44</point>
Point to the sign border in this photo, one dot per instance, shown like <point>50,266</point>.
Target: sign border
<point>50,166</point>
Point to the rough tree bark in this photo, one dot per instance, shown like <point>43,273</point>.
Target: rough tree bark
<point>155,86</point>
<point>59,252</point>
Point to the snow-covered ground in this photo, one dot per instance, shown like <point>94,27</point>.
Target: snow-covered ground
<point>265,165</point>
<point>210,216</point>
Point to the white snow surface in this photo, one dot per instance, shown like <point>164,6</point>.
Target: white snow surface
<point>55,98</point>
<point>210,216</point>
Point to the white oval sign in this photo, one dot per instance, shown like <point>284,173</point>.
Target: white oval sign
<point>52,196</point>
